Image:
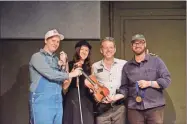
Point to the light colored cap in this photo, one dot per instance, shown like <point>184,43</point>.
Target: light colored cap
<point>53,32</point>
<point>138,37</point>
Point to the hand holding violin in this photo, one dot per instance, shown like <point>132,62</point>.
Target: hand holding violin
<point>99,91</point>
<point>114,98</point>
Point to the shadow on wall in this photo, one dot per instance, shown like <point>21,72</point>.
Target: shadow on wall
<point>170,113</point>
<point>14,105</point>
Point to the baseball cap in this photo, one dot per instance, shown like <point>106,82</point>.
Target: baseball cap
<point>53,32</point>
<point>138,37</point>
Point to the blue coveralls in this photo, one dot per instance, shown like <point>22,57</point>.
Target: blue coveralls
<point>45,89</point>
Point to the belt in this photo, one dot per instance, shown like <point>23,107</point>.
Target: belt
<point>103,107</point>
<point>119,102</point>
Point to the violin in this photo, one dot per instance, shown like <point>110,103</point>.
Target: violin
<point>99,91</point>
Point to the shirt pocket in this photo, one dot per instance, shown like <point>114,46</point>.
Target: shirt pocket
<point>133,76</point>
<point>102,77</point>
<point>37,98</point>
<point>151,73</point>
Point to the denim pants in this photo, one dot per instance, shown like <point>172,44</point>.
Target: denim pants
<point>46,104</point>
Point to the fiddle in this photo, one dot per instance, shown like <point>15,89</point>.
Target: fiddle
<point>99,91</point>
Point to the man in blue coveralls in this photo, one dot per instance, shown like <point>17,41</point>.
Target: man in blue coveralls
<point>46,80</point>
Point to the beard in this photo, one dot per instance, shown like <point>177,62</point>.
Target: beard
<point>139,52</point>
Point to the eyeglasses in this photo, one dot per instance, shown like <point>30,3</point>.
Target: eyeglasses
<point>138,43</point>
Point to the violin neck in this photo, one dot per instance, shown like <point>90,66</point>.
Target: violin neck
<point>88,78</point>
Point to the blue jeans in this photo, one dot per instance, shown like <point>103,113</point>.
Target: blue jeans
<point>46,104</point>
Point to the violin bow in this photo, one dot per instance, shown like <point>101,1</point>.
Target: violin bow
<point>79,100</point>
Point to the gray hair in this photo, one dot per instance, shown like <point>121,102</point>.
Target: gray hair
<point>111,39</point>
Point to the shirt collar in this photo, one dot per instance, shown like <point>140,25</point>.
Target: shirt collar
<point>46,53</point>
<point>145,59</point>
<point>115,62</point>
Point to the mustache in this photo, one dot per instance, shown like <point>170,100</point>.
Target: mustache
<point>137,47</point>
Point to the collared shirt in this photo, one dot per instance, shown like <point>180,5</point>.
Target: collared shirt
<point>109,78</point>
<point>152,68</point>
<point>43,64</point>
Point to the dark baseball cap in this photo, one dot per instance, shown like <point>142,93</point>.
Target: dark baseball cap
<point>138,37</point>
